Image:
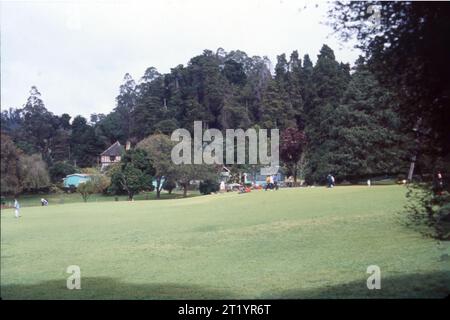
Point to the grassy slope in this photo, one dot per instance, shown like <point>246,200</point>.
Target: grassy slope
<point>293,243</point>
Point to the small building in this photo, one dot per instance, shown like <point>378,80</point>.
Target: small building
<point>225,174</point>
<point>112,155</point>
<point>75,179</point>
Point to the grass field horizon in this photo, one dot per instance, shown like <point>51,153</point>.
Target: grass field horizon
<point>294,243</point>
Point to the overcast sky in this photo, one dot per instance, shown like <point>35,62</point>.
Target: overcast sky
<point>77,52</point>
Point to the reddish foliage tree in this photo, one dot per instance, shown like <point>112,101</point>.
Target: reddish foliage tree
<point>292,144</point>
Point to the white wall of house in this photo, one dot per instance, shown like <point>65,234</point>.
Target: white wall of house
<point>106,160</point>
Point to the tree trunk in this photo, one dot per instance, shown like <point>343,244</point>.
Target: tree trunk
<point>295,175</point>
<point>185,186</point>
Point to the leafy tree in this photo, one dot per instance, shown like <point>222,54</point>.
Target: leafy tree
<point>428,212</point>
<point>149,109</point>
<point>330,80</point>
<point>10,168</point>
<point>59,147</point>
<point>185,173</point>
<point>39,125</point>
<point>86,189</point>
<point>84,144</point>
<point>166,126</point>
<point>33,172</point>
<point>367,130</point>
<point>133,174</point>
<point>277,112</point>
<point>234,72</point>
<point>64,121</point>
<point>60,170</point>
<point>295,87</point>
<point>406,48</point>
<point>159,148</point>
<point>292,144</point>
<point>108,130</point>
<point>97,183</point>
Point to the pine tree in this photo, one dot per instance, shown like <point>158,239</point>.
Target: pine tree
<point>329,81</point>
<point>368,131</point>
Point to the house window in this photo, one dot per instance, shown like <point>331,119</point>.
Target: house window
<point>112,158</point>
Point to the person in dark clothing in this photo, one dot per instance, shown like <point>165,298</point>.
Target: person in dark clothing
<point>329,182</point>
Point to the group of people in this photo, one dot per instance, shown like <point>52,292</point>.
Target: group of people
<point>271,182</point>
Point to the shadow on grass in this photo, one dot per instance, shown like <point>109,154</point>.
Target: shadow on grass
<point>110,288</point>
<point>415,285</point>
<point>425,285</point>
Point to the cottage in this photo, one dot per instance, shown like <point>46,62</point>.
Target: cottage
<point>113,154</point>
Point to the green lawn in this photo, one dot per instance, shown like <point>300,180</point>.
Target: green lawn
<point>291,243</point>
<point>33,200</point>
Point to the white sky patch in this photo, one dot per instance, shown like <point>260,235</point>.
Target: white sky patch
<point>76,52</point>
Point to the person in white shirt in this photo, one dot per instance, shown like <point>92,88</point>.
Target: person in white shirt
<point>222,186</point>
<point>16,208</point>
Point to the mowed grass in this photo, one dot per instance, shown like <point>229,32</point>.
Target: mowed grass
<point>291,243</point>
<point>34,200</point>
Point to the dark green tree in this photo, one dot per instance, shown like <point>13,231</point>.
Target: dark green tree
<point>60,170</point>
<point>329,82</point>
<point>133,174</point>
<point>367,130</point>
<point>85,147</point>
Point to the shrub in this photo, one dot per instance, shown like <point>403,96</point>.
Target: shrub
<point>169,185</point>
<point>86,189</point>
<point>97,184</point>
<point>208,186</point>
<point>427,211</point>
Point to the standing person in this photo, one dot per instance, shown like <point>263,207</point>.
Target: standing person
<point>267,183</point>
<point>439,177</point>
<point>16,208</point>
<point>332,181</point>
<point>275,182</point>
<point>222,186</point>
<point>271,182</point>
<point>440,182</point>
<point>369,183</point>
<point>329,180</point>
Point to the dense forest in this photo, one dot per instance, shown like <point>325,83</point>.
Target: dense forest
<point>349,119</point>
